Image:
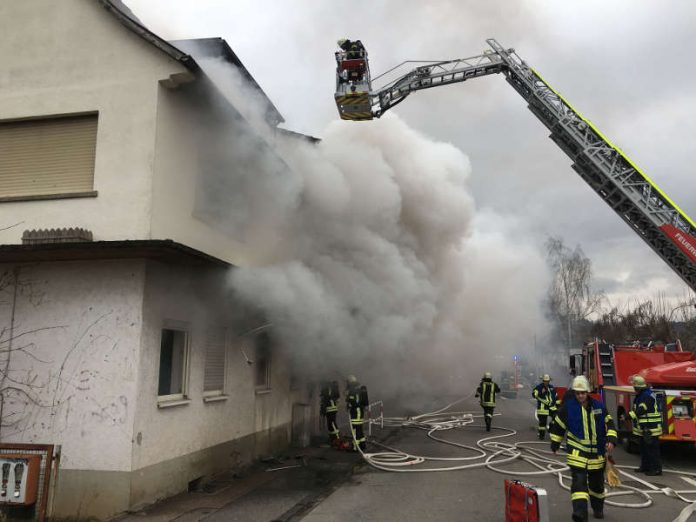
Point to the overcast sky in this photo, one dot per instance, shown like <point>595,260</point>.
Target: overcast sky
<point>623,64</point>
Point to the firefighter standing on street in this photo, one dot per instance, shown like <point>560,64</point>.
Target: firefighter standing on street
<point>357,402</point>
<point>545,395</point>
<point>590,434</point>
<point>487,390</point>
<point>329,409</point>
<point>646,418</point>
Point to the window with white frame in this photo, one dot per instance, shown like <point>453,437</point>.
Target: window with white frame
<point>262,361</point>
<point>173,365</point>
<point>215,362</point>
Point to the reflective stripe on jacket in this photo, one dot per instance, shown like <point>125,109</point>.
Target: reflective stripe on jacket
<point>546,397</point>
<point>587,430</point>
<point>487,390</point>
<point>646,414</point>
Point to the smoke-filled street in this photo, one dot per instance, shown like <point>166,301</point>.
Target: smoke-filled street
<point>478,494</point>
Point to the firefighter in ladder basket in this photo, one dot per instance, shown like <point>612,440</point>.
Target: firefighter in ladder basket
<point>590,434</point>
<point>487,390</point>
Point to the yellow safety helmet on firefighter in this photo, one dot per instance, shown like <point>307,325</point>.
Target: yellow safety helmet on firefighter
<point>342,41</point>
<point>638,381</point>
<point>581,384</point>
<point>487,375</point>
<point>546,378</point>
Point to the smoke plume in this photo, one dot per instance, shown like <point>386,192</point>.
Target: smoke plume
<point>372,259</point>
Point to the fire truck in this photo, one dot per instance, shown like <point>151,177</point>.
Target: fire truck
<point>669,370</point>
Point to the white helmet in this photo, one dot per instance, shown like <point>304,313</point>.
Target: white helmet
<point>487,375</point>
<point>638,381</point>
<point>546,378</point>
<point>352,379</point>
<point>580,383</point>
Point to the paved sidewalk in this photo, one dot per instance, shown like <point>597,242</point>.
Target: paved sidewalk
<point>282,489</point>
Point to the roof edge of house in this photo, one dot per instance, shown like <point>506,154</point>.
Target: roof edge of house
<point>134,25</point>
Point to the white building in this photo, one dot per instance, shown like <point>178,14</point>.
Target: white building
<point>120,340</point>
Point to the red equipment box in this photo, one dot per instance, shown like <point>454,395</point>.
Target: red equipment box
<point>525,503</point>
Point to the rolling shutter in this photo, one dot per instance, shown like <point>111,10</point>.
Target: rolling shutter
<point>214,377</point>
<point>47,156</point>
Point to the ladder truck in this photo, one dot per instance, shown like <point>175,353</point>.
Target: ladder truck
<point>611,174</point>
<point>605,168</point>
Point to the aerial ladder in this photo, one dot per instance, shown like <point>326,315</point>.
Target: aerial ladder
<point>611,174</point>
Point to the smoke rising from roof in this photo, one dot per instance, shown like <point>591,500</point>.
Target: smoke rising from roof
<point>374,261</point>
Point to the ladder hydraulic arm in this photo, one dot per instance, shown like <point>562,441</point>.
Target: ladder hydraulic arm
<point>610,173</point>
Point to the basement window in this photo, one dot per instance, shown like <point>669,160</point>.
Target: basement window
<point>173,365</point>
<point>47,158</point>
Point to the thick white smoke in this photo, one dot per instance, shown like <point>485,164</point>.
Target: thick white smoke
<point>379,273</point>
<point>370,257</point>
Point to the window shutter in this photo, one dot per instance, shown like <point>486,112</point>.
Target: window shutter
<point>47,156</point>
<point>214,378</point>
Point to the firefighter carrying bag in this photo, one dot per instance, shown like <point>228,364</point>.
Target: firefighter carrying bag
<point>525,503</point>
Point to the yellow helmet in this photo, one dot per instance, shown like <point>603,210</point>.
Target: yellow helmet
<point>487,375</point>
<point>580,383</point>
<point>546,378</point>
<point>342,41</point>
<point>638,381</point>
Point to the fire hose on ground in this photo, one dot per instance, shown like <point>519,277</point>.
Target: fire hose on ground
<point>492,452</point>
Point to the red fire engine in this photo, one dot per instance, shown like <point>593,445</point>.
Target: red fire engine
<point>667,368</point>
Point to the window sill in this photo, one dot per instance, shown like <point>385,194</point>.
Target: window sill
<point>262,391</point>
<point>173,403</point>
<point>215,398</point>
<point>39,197</point>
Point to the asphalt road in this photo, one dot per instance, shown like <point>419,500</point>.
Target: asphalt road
<point>478,494</point>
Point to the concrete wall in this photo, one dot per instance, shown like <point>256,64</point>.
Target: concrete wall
<point>176,444</point>
<point>213,174</point>
<point>72,332</point>
<point>85,357</point>
<point>69,57</point>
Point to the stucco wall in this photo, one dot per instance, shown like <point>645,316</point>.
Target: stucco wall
<point>74,344</point>
<point>192,297</point>
<point>212,174</point>
<point>73,56</point>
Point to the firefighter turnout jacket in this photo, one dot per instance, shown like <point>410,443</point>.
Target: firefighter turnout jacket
<point>547,399</point>
<point>587,430</point>
<point>486,391</point>
<point>329,398</point>
<point>646,414</point>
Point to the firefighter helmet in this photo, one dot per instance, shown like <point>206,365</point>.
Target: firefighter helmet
<point>638,381</point>
<point>581,384</point>
<point>342,41</point>
<point>546,378</point>
<point>487,375</point>
<point>351,379</point>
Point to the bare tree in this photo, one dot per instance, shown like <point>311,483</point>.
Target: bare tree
<point>571,299</point>
<point>657,320</point>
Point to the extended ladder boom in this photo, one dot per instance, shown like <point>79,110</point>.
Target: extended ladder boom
<point>610,173</point>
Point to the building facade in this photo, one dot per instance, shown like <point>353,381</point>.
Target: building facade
<point>120,339</point>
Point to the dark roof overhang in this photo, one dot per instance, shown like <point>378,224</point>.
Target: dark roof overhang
<point>164,250</point>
